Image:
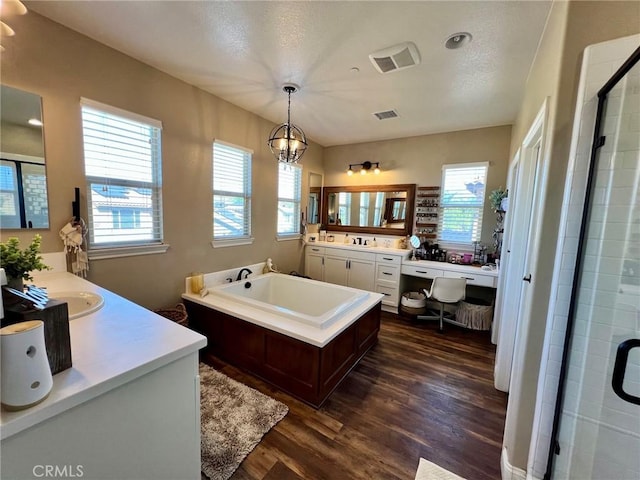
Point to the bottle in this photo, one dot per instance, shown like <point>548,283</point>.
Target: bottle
<point>374,243</point>
<point>346,238</point>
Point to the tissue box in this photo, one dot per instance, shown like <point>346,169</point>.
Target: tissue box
<point>56,330</point>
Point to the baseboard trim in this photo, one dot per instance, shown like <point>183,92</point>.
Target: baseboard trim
<point>508,471</point>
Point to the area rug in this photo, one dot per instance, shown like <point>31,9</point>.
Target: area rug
<point>234,418</point>
<point>431,471</point>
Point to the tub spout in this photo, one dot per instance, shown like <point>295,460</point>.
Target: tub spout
<point>245,269</point>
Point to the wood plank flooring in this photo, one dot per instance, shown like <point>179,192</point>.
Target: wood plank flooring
<point>416,394</point>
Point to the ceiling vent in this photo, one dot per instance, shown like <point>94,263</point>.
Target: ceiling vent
<point>395,58</point>
<point>386,115</point>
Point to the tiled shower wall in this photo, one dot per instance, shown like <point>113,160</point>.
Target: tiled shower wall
<point>599,63</point>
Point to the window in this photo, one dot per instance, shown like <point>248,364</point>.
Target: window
<point>23,194</point>
<point>231,193</point>
<point>364,209</point>
<point>462,202</point>
<point>289,193</point>
<point>122,161</point>
<point>344,208</point>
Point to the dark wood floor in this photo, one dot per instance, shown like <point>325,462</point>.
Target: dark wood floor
<point>415,394</point>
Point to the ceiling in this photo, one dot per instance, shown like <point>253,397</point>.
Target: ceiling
<point>244,51</point>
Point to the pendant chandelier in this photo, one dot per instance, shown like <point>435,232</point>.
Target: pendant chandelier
<point>288,142</point>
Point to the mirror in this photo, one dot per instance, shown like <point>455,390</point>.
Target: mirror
<point>315,198</point>
<point>23,179</point>
<point>382,209</point>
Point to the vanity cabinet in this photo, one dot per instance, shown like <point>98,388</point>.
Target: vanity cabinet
<point>364,268</point>
<point>314,262</point>
<point>350,268</point>
<point>388,279</point>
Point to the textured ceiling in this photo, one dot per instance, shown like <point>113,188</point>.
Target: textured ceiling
<point>243,51</point>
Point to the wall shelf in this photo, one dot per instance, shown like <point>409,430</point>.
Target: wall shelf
<point>427,210</point>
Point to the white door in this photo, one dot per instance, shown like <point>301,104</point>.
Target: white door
<point>521,251</point>
<point>335,270</point>
<point>314,266</point>
<point>362,274</point>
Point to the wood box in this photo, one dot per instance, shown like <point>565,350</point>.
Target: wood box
<point>56,330</point>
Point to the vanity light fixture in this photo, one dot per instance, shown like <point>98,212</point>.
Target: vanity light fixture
<point>364,168</point>
<point>287,141</point>
<point>9,8</point>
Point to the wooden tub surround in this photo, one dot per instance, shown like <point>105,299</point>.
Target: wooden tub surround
<point>305,371</point>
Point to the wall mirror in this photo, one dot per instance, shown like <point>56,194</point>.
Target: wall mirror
<point>315,198</point>
<point>23,179</point>
<point>382,209</point>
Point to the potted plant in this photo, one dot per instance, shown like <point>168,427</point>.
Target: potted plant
<point>18,264</point>
<point>496,198</point>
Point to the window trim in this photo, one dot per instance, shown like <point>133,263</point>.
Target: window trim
<point>452,166</point>
<point>147,247</point>
<point>244,239</point>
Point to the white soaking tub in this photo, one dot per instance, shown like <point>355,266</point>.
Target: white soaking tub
<point>308,301</point>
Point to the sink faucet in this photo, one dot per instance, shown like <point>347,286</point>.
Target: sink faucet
<point>245,269</point>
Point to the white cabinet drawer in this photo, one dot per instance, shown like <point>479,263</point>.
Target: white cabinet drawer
<point>390,259</point>
<point>424,272</point>
<point>388,273</point>
<point>390,294</point>
<point>314,250</point>
<point>474,279</point>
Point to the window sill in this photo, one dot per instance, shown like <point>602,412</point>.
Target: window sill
<point>232,242</point>
<point>284,238</point>
<point>132,251</point>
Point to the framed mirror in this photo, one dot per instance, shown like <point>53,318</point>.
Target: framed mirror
<point>315,198</point>
<point>23,180</point>
<point>382,209</point>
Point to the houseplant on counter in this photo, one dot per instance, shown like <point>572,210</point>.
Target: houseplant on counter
<point>18,264</point>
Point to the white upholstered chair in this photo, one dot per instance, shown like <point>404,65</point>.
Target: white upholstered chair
<point>445,290</point>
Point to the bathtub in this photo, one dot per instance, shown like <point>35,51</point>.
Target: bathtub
<point>307,301</point>
<point>301,335</point>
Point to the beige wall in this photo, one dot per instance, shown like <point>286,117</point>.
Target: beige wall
<point>61,66</point>
<point>571,27</point>
<point>419,160</point>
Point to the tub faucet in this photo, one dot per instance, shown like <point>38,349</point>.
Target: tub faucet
<point>245,269</point>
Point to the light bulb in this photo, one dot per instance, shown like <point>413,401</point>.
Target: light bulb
<point>363,171</point>
<point>349,172</point>
<point>376,171</point>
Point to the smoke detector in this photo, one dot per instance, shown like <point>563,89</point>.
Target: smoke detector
<point>398,57</point>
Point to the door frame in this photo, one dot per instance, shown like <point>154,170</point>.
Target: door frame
<point>528,201</point>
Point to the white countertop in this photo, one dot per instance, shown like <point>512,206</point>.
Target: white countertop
<point>110,347</point>
<point>451,267</point>
<point>360,248</point>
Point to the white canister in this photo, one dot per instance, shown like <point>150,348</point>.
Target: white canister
<point>26,376</point>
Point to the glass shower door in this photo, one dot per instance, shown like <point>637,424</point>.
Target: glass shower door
<point>599,416</point>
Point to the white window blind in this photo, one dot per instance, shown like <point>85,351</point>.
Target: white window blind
<point>364,209</point>
<point>344,208</point>
<point>462,202</point>
<point>122,161</point>
<point>231,191</point>
<point>289,193</point>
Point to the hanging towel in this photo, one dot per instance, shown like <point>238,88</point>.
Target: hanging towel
<point>72,235</point>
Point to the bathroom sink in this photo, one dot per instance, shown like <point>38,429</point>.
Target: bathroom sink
<point>80,303</point>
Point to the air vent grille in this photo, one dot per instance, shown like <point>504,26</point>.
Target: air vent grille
<point>395,58</point>
<point>386,115</point>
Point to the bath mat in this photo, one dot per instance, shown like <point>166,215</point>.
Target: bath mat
<point>234,418</point>
<point>431,471</point>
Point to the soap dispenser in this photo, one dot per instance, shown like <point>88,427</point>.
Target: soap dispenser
<point>346,238</point>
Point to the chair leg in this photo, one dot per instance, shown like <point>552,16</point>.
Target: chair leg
<point>441,330</point>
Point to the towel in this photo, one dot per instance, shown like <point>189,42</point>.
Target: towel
<point>72,235</point>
